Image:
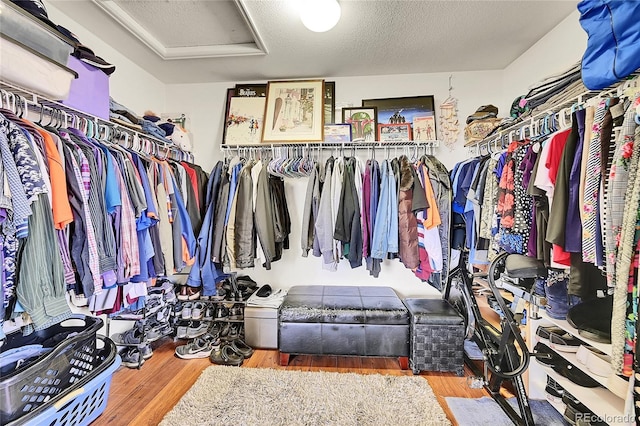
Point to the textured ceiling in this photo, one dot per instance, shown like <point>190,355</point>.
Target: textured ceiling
<point>189,22</point>
<point>372,37</point>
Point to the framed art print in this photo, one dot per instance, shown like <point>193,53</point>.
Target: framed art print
<point>251,90</point>
<point>329,101</point>
<point>294,111</point>
<point>230,94</point>
<point>424,128</point>
<point>362,121</point>
<point>245,121</point>
<point>337,132</point>
<point>397,132</point>
<point>402,110</point>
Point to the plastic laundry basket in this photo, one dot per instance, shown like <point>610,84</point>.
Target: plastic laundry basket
<point>74,358</point>
<point>82,403</point>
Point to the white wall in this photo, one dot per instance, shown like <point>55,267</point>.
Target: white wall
<point>204,105</point>
<point>129,85</point>
<point>556,51</point>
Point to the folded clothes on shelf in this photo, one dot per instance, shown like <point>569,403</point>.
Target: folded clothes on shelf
<point>272,300</point>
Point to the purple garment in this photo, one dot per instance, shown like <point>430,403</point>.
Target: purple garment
<point>526,166</point>
<point>573,231</point>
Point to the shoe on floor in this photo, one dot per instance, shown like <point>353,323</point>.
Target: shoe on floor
<point>146,351</point>
<point>225,355</point>
<point>199,347</point>
<point>240,347</point>
<point>131,358</point>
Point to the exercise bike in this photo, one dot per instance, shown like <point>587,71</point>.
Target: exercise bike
<point>505,353</point>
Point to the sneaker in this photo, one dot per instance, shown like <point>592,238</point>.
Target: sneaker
<point>236,313</point>
<point>197,348</point>
<point>186,311</point>
<point>154,303</point>
<point>130,337</point>
<point>209,313</point>
<point>564,342</point>
<point>196,329</point>
<point>131,358</point>
<point>554,391</point>
<point>596,361</point>
<point>146,352</point>
<point>542,333</point>
<point>197,311</point>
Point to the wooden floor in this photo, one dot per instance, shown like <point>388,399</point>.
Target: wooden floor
<point>143,397</point>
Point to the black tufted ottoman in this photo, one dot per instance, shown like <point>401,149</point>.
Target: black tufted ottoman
<point>437,336</point>
<point>343,320</point>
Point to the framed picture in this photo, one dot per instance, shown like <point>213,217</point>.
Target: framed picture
<point>251,90</point>
<point>424,128</point>
<point>230,93</point>
<point>402,110</point>
<point>329,101</point>
<point>362,121</point>
<point>397,132</point>
<point>245,121</point>
<point>337,132</point>
<point>294,111</point>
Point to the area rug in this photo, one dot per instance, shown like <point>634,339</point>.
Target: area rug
<point>485,411</point>
<point>261,396</point>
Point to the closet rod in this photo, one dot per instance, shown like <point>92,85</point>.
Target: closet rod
<point>30,98</point>
<point>531,122</point>
<point>332,145</point>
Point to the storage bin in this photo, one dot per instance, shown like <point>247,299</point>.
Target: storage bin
<point>38,383</point>
<point>33,33</point>
<point>90,91</point>
<point>24,67</point>
<point>261,327</point>
<point>437,336</point>
<point>85,401</point>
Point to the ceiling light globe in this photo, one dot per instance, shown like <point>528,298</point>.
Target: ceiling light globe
<point>319,15</point>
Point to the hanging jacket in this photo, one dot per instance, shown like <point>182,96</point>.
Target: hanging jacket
<point>407,223</point>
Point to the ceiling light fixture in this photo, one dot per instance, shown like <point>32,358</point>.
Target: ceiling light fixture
<point>319,15</point>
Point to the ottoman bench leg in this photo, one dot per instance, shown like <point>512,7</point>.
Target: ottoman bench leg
<point>404,362</point>
<point>284,359</point>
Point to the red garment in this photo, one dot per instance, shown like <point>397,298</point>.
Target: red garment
<point>556,147</point>
<point>193,178</point>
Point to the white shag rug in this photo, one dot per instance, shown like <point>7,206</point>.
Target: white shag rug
<point>261,396</point>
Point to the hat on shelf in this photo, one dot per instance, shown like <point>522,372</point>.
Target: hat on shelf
<point>37,9</point>
<point>485,111</point>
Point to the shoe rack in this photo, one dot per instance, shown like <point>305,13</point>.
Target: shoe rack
<point>143,339</point>
<point>226,307</point>
<point>606,401</point>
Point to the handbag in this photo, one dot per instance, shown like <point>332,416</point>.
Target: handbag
<point>613,47</point>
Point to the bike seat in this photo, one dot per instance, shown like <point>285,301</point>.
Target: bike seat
<point>520,266</point>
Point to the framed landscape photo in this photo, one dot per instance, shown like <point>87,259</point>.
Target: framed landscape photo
<point>400,132</point>
<point>339,132</point>
<point>362,121</point>
<point>245,121</point>
<point>424,128</point>
<point>329,101</point>
<point>251,90</point>
<point>294,111</point>
<point>402,110</point>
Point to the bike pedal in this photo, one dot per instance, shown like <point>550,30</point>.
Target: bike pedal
<point>476,382</point>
